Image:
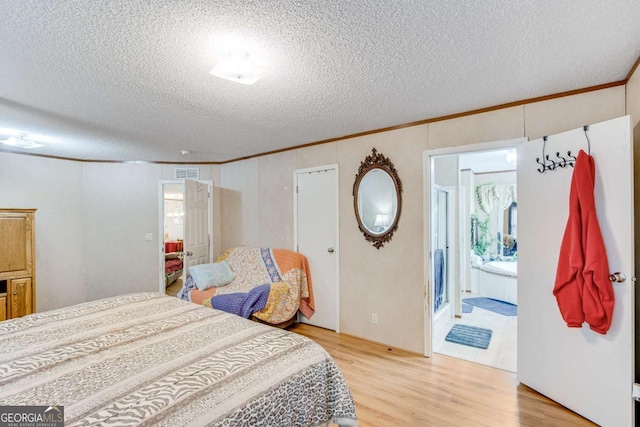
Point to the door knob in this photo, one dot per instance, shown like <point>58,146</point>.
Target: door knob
<point>330,250</point>
<point>188,253</point>
<point>617,277</point>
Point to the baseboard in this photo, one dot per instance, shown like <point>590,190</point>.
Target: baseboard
<point>389,347</point>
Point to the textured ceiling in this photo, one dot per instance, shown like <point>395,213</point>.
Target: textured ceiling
<point>128,80</point>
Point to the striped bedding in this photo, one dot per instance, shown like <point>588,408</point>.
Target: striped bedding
<point>149,359</point>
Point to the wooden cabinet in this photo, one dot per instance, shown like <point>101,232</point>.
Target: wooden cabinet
<point>20,292</point>
<point>17,263</point>
<point>3,307</point>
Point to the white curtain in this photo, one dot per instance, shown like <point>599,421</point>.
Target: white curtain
<point>498,196</point>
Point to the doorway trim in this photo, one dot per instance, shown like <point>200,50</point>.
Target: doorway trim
<point>209,183</point>
<point>337,213</point>
<point>427,179</point>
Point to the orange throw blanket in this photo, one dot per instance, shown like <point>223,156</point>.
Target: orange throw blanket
<point>298,266</point>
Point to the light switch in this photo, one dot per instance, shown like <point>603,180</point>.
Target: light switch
<point>148,236</point>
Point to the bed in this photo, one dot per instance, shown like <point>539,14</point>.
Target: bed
<point>285,274</point>
<point>151,359</point>
<point>172,267</point>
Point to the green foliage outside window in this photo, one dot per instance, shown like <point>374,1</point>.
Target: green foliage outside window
<point>480,237</point>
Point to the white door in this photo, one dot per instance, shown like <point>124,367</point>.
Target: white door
<point>316,238</point>
<point>196,223</point>
<point>589,373</point>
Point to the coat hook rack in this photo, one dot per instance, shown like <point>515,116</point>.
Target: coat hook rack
<point>548,164</point>
<point>585,128</point>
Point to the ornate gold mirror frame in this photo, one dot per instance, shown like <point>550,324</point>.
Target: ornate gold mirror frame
<point>378,201</point>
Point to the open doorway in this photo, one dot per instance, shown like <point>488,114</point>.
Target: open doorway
<point>186,221</point>
<point>473,256</point>
<point>173,201</point>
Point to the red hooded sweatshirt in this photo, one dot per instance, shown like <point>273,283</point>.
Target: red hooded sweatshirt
<point>583,289</point>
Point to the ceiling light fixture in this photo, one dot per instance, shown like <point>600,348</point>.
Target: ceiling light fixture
<point>239,66</point>
<point>21,142</point>
<point>6,132</point>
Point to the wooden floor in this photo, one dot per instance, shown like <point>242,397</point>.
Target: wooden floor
<point>395,388</point>
<point>174,288</point>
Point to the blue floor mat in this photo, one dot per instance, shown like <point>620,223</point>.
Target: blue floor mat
<point>470,335</point>
<point>497,306</point>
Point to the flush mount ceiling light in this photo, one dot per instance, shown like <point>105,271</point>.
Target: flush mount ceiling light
<point>239,66</point>
<point>21,142</point>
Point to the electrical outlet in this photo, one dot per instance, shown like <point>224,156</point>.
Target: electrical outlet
<point>148,236</point>
<point>374,318</point>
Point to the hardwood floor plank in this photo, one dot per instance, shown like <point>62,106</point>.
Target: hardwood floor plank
<point>174,288</point>
<point>395,388</point>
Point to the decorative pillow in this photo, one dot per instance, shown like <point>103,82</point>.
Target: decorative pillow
<point>209,275</point>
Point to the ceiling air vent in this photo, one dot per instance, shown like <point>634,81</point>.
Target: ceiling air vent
<point>190,173</point>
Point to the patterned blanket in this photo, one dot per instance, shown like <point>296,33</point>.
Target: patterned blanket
<point>150,359</point>
<point>286,272</point>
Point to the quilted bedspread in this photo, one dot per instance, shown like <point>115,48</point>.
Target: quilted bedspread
<point>150,359</point>
<point>287,272</point>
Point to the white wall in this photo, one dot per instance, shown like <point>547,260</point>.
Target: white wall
<point>55,189</point>
<point>121,206</point>
<point>91,222</point>
<point>388,281</point>
<point>445,171</point>
<point>240,194</point>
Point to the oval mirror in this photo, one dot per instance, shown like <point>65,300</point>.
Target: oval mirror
<point>377,198</point>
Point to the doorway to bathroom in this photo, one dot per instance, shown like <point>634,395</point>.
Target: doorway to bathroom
<point>472,256</point>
